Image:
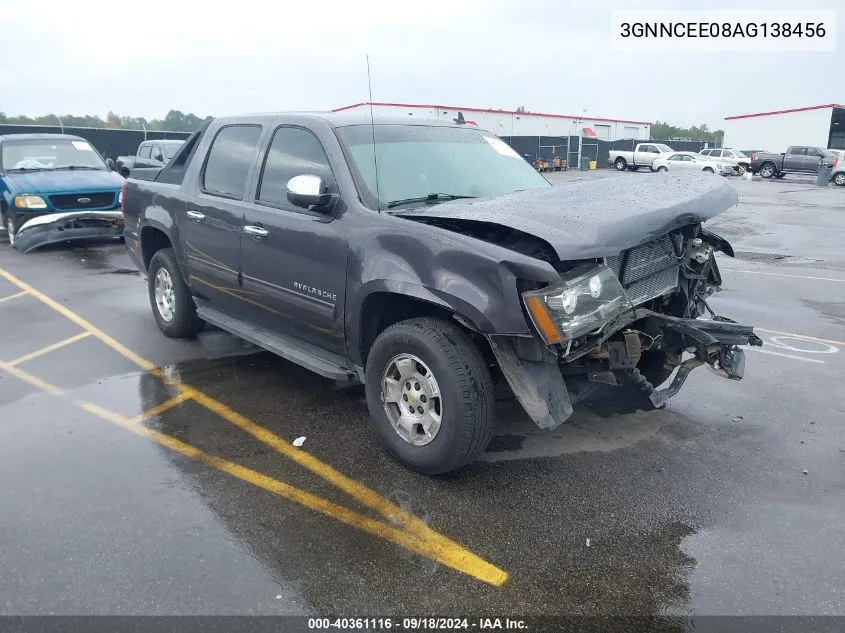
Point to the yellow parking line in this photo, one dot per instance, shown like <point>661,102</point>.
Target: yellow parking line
<point>14,296</point>
<point>50,348</point>
<point>471,564</point>
<point>455,558</point>
<point>160,408</point>
<point>804,336</point>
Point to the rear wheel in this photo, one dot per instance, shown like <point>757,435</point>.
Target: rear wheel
<point>173,306</point>
<point>839,179</point>
<point>709,170</point>
<point>621,164</point>
<point>430,395</point>
<point>767,170</point>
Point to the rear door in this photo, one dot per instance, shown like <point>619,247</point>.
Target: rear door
<point>294,269</point>
<point>645,154</point>
<point>794,159</point>
<point>211,230</point>
<point>813,159</point>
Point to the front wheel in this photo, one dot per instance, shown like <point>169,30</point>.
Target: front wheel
<point>10,225</point>
<point>173,306</point>
<point>430,395</point>
<point>709,170</point>
<point>663,168</point>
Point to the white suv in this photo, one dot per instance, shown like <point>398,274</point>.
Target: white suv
<point>740,162</point>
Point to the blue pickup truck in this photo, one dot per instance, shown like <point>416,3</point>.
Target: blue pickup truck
<point>56,188</point>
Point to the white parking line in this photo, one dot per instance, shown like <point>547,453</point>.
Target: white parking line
<point>765,351</point>
<point>758,272</point>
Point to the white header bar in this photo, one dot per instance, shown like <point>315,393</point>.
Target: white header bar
<point>723,31</point>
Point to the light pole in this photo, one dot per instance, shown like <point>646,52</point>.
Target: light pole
<point>61,125</point>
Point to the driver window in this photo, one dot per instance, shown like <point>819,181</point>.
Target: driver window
<point>292,152</point>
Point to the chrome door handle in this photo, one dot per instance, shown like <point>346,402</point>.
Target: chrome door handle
<point>196,216</point>
<point>256,231</point>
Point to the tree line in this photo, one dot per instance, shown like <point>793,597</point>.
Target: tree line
<point>174,121</point>
<point>666,132</point>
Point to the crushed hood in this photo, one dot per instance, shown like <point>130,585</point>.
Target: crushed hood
<point>599,217</point>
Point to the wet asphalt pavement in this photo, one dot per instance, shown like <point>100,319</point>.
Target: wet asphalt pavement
<point>704,508</point>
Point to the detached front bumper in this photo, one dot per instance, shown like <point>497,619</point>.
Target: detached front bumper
<point>72,225</point>
<point>539,385</point>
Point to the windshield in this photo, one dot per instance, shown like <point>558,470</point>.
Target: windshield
<point>170,149</point>
<point>417,161</point>
<point>40,154</point>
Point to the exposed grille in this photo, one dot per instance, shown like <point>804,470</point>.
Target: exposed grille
<point>650,270</point>
<point>79,201</point>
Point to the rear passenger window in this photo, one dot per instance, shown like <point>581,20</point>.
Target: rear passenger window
<point>229,159</point>
<point>144,152</point>
<point>293,152</point>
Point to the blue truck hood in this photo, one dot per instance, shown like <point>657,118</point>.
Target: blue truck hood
<point>63,181</point>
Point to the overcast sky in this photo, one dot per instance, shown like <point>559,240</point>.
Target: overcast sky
<point>144,58</point>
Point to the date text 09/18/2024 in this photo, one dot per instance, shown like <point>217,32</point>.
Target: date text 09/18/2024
<point>416,624</point>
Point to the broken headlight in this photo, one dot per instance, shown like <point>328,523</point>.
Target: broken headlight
<point>580,304</point>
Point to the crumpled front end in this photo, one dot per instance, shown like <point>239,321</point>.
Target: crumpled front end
<point>53,228</point>
<point>617,328</point>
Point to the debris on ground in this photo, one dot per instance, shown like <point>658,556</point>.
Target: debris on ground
<point>737,419</point>
<point>299,441</point>
<point>588,542</point>
<point>804,471</point>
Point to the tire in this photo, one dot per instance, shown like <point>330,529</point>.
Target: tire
<point>634,167</point>
<point>709,170</point>
<point>779,176</point>
<point>621,164</point>
<point>767,170</point>
<point>183,321</point>
<point>663,168</point>
<point>652,365</point>
<point>466,400</point>
<point>10,224</point>
<point>839,179</point>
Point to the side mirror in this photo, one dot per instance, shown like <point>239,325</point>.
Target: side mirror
<point>308,191</point>
<point>110,164</point>
<point>124,171</point>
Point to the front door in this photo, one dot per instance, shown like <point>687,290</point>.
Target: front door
<point>294,260</point>
<point>211,227</point>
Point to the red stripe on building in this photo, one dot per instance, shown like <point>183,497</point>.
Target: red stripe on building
<point>773,112</point>
<point>487,111</point>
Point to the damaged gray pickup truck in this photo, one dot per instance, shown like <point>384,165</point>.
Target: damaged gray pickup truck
<point>430,262</point>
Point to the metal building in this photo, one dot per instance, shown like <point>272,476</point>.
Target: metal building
<point>817,126</point>
<point>518,124</point>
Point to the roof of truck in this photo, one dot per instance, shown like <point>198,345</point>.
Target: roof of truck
<point>40,137</point>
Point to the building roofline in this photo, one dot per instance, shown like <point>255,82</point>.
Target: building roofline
<point>488,111</point>
<point>773,112</point>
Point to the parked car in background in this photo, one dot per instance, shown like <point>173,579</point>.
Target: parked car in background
<point>150,154</point>
<point>55,188</point>
<point>799,159</point>
<point>738,160</point>
<point>691,161</point>
<point>398,254</point>
<point>644,155</point>
<point>837,176</point>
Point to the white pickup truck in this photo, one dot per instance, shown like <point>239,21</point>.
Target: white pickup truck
<point>644,155</point>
